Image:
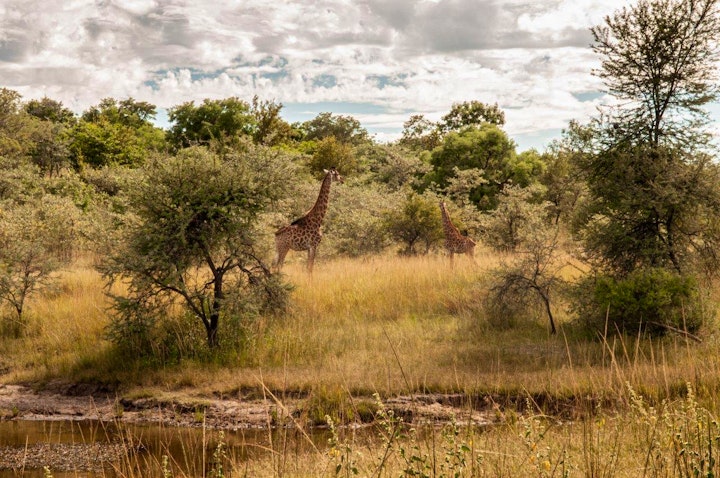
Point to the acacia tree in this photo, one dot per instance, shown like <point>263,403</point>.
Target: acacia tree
<point>658,60</point>
<point>653,195</point>
<point>194,241</point>
<point>35,238</point>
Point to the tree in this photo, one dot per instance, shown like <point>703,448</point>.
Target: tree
<point>392,165</point>
<point>331,153</point>
<point>421,134</point>
<point>34,240</point>
<point>271,129</point>
<point>128,112</point>
<point>194,239</point>
<point>515,219</point>
<point>486,148</point>
<point>15,125</point>
<point>219,121</point>
<point>653,189</point>
<point>416,221</point>
<point>471,113</point>
<point>561,178</point>
<point>344,129</point>
<point>50,110</point>
<point>532,276</point>
<point>658,60</point>
<point>115,133</point>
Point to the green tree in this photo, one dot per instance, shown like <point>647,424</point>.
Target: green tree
<point>50,110</point>
<point>271,129</point>
<point>420,134</point>
<point>35,238</point>
<point>331,153</point>
<point>486,148</point>
<point>653,188</point>
<point>658,59</point>
<point>214,121</point>
<point>195,239</point>
<point>16,126</point>
<point>514,221</point>
<point>471,113</point>
<point>344,129</point>
<point>562,180</point>
<point>115,133</point>
<point>416,221</point>
<point>392,165</point>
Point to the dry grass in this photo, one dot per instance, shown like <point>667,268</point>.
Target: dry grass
<point>389,325</point>
<point>393,326</point>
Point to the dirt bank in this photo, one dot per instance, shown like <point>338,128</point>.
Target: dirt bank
<point>82,402</point>
<point>76,402</point>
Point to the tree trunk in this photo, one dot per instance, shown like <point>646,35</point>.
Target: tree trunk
<point>212,325</point>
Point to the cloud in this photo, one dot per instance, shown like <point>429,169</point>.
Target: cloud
<point>403,56</point>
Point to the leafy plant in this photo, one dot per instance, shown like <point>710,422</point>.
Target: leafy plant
<point>652,301</point>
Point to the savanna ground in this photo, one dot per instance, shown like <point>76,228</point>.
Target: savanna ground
<point>388,340</point>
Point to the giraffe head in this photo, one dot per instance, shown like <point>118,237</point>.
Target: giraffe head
<point>334,175</point>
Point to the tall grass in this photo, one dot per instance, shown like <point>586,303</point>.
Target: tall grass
<point>386,324</point>
<point>675,438</point>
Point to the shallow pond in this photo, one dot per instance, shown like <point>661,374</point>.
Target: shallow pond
<point>91,449</point>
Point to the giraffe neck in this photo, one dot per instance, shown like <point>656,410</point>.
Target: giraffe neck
<point>450,229</point>
<point>317,213</point>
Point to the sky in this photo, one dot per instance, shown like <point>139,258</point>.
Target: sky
<point>380,61</point>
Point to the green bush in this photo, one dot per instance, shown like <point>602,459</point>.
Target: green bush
<point>649,301</point>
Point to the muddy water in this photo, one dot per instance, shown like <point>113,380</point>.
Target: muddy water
<point>93,449</point>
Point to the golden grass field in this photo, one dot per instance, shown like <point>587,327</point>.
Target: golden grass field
<point>390,326</point>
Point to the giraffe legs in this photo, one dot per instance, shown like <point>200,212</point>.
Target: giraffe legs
<point>311,258</point>
<point>280,259</point>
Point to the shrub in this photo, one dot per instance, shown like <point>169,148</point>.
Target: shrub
<point>650,301</point>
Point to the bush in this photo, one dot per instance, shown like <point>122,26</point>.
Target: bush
<point>649,301</point>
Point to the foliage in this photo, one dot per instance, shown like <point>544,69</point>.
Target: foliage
<point>420,134</point>
<point>271,129</point>
<point>414,222</point>
<point>653,195</point>
<point>394,166</point>
<point>658,59</point>
<point>345,129</point>
<point>486,148</point>
<point>651,301</point>
<point>471,113</point>
<point>115,133</point>
<point>194,238</point>
<point>36,239</point>
<point>532,276</point>
<point>50,150</point>
<point>331,153</point>
<point>514,221</point>
<point>16,126</point>
<point>564,188</point>
<point>651,207</point>
<point>355,226</point>
<point>218,122</point>
<point>50,110</point>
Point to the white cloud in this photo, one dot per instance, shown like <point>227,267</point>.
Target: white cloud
<point>404,56</point>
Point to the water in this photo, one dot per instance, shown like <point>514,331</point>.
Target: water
<point>92,449</point>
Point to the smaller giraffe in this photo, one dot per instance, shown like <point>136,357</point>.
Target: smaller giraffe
<point>455,241</point>
<point>304,233</point>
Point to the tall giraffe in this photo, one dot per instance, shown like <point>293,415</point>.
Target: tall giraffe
<point>455,241</point>
<point>304,234</point>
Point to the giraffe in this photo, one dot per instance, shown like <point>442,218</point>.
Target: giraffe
<point>455,242</point>
<point>304,234</point>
